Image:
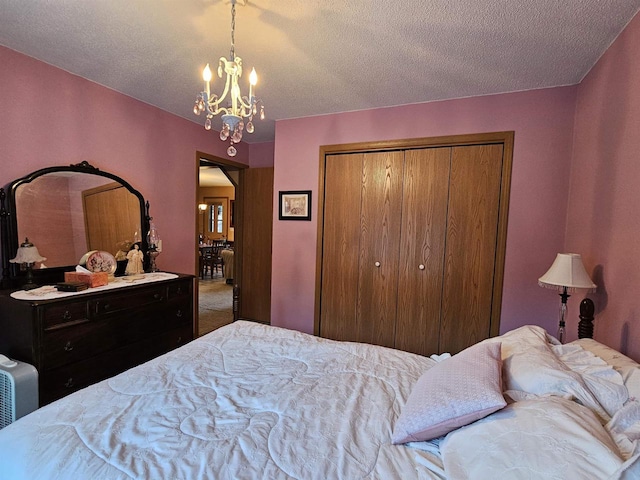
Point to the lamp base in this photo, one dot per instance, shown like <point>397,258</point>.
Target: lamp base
<point>561,332</point>
<point>153,254</point>
<point>29,285</point>
<point>563,314</point>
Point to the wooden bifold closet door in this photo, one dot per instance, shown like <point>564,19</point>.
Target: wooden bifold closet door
<point>412,246</point>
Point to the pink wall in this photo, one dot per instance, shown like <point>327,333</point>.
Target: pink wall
<point>604,209</point>
<point>50,117</point>
<point>261,154</point>
<point>543,125</point>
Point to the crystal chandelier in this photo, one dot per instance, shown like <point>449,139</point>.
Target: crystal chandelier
<point>238,108</point>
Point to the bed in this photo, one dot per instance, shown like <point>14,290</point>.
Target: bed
<point>253,401</point>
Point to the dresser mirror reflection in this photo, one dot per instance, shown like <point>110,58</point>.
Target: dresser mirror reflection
<point>66,211</point>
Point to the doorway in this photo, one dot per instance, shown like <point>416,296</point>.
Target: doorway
<point>249,230</point>
<point>215,240</point>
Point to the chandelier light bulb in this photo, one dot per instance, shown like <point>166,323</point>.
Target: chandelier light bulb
<point>253,77</point>
<point>206,73</point>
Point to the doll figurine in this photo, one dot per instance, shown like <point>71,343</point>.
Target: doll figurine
<point>134,264</point>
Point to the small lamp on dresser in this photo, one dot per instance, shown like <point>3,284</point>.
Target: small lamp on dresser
<point>566,274</point>
<point>27,255</point>
<point>155,246</point>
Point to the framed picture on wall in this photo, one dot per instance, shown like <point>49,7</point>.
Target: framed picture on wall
<point>295,205</point>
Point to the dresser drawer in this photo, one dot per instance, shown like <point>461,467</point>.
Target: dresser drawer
<point>175,338</point>
<point>180,290</point>
<point>127,301</point>
<point>65,314</point>
<point>62,346</point>
<point>67,345</point>
<point>66,379</point>
<point>177,313</point>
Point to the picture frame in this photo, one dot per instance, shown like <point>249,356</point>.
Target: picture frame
<point>294,205</point>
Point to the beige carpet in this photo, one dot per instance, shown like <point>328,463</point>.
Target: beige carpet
<point>214,304</point>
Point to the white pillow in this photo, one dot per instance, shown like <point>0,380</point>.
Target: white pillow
<point>601,378</point>
<point>530,366</point>
<point>548,437</point>
<point>628,368</point>
<point>452,393</point>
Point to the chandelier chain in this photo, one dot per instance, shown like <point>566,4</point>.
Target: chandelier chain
<point>233,30</point>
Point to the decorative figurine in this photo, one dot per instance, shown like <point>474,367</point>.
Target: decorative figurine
<point>134,264</point>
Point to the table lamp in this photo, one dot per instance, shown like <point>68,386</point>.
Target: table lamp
<point>155,246</point>
<point>567,274</point>
<point>27,255</point>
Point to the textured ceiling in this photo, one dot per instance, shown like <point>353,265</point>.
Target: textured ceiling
<point>319,56</point>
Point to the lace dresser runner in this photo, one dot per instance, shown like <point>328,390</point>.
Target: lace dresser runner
<point>49,292</point>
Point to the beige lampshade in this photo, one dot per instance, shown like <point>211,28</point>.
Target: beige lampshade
<point>27,253</point>
<point>567,271</point>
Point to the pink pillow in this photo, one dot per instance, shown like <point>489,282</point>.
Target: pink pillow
<point>455,392</point>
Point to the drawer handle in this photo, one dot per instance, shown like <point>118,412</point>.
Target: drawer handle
<point>106,306</point>
<point>68,347</point>
<point>377,264</point>
<point>179,341</point>
<point>157,296</point>
<point>66,315</point>
<point>179,291</point>
<point>179,314</point>
<point>421,267</point>
<point>69,383</point>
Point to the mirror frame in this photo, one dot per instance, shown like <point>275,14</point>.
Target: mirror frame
<point>11,272</point>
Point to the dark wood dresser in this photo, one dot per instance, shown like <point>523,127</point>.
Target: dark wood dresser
<point>79,340</point>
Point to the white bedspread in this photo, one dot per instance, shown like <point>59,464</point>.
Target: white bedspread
<point>255,402</point>
<point>244,402</point>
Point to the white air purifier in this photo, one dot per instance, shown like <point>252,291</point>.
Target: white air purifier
<point>18,390</point>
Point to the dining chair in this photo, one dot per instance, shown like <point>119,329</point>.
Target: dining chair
<point>206,261</point>
<point>216,260</point>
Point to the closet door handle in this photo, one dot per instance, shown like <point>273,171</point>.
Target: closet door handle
<point>421,267</point>
<point>377,264</point>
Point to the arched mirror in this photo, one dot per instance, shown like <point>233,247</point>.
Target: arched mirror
<point>68,211</point>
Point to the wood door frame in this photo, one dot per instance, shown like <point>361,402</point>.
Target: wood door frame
<point>223,164</point>
<point>505,138</point>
